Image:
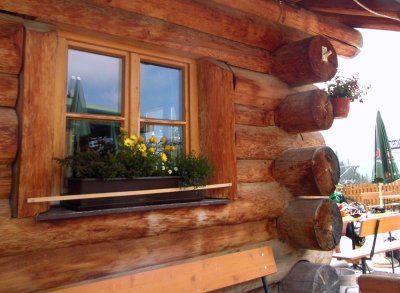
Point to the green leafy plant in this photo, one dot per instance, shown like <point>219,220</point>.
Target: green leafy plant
<point>134,157</point>
<point>341,87</point>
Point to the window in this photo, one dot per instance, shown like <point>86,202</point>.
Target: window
<point>109,86</point>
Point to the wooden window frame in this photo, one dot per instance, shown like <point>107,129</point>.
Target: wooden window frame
<point>130,110</point>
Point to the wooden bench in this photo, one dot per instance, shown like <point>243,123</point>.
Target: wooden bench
<point>375,226</point>
<point>202,274</point>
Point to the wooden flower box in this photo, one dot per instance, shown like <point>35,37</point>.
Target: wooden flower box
<point>93,185</point>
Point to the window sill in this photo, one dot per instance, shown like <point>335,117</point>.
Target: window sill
<point>59,213</point>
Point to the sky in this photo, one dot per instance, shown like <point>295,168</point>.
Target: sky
<point>378,65</point>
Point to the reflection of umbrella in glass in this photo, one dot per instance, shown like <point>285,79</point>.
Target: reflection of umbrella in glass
<point>78,105</point>
<point>385,168</point>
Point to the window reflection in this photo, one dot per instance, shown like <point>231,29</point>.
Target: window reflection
<point>160,92</point>
<point>88,133</point>
<point>94,83</point>
<point>172,133</point>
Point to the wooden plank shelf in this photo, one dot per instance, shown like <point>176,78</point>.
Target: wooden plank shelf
<point>59,213</point>
<point>123,193</point>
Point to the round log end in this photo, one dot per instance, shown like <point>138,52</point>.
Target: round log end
<point>325,66</point>
<point>305,112</point>
<point>306,61</point>
<point>310,171</point>
<point>322,112</point>
<point>326,170</point>
<point>311,224</point>
<point>307,277</point>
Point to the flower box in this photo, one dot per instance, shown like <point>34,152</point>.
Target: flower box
<point>92,185</point>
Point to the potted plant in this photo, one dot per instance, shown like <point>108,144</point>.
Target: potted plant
<point>133,164</point>
<point>341,91</point>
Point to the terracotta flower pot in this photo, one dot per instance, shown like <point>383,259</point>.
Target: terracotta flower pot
<point>92,185</point>
<point>340,106</point>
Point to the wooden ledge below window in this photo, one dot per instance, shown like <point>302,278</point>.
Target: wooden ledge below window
<point>59,213</point>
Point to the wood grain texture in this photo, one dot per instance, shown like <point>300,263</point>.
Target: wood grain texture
<point>5,180</point>
<point>254,170</point>
<point>304,62</point>
<point>89,230</point>
<point>84,262</point>
<point>204,274</point>
<point>214,19</point>
<point>11,44</point>
<point>346,40</point>
<point>141,30</point>
<point>267,143</point>
<point>8,135</point>
<point>312,171</point>
<point>8,90</point>
<point>258,90</point>
<point>217,122</point>
<point>248,115</point>
<point>270,196</point>
<point>320,227</point>
<point>305,112</point>
<point>37,128</point>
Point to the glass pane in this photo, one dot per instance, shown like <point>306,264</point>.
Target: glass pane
<point>94,83</point>
<point>174,134</point>
<point>160,92</point>
<point>88,133</point>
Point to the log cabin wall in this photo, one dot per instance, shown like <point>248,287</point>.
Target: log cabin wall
<point>237,112</point>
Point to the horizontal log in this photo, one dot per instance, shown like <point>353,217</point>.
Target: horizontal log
<point>88,230</point>
<point>248,115</point>
<point>258,90</point>
<point>73,264</point>
<point>213,19</point>
<point>5,180</point>
<point>311,224</point>
<point>346,40</point>
<point>141,30</point>
<point>8,90</point>
<point>254,170</point>
<point>305,112</point>
<point>11,44</point>
<point>8,135</point>
<point>312,171</point>
<point>306,61</point>
<point>271,196</point>
<point>267,143</point>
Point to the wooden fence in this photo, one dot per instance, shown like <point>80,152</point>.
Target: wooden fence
<point>368,193</point>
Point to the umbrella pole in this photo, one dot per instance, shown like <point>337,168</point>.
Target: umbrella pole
<point>380,194</point>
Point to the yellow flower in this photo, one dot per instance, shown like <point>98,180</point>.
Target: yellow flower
<point>167,148</point>
<point>144,154</point>
<point>142,147</point>
<point>163,139</point>
<point>152,150</point>
<point>153,139</point>
<point>173,148</point>
<point>129,142</point>
<point>163,157</point>
<point>140,139</point>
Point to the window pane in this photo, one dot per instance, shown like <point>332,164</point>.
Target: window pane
<point>172,133</point>
<point>88,133</point>
<point>94,83</point>
<point>160,92</point>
